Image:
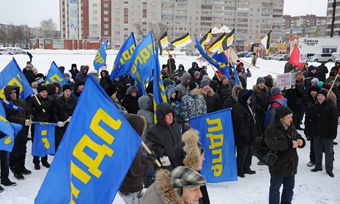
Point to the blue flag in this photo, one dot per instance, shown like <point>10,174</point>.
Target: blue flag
<point>123,57</point>
<point>55,75</point>
<point>100,58</point>
<point>96,152</point>
<point>12,75</point>
<point>217,138</point>
<point>44,141</point>
<point>10,130</point>
<point>142,63</point>
<point>222,67</point>
<point>158,86</point>
<point>220,57</point>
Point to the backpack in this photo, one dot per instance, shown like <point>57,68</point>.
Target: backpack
<point>263,153</point>
<point>269,109</point>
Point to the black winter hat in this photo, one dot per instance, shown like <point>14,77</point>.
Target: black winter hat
<point>314,88</point>
<point>323,92</point>
<point>66,86</point>
<point>111,90</point>
<point>41,88</point>
<point>282,111</point>
<point>192,85</point>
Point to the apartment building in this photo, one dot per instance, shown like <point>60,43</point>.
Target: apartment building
<point>303,21</point>
<point>116,19</point>
<point>336,31</point>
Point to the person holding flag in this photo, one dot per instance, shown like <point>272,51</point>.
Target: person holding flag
<point>41,110</point>
<point>19,115</point>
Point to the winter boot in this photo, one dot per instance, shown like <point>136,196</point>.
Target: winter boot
<point>45,162</point>
<point>36,163</point>
<point>1,189</point>
<point>14,167</point>
<point>22,167</point>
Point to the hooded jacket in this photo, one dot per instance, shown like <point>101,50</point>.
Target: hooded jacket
<point>280,140</point>
<point>14,115</point>
<point>146,110</point>
<point>175,103</point>
<point>192,70</point>
<point>162,191</point>
<point>231,101</point>
<point>80,75</point>
<point>163,144</point>
<point>183,87</point>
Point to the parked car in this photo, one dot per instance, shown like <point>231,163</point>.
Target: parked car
<point>242,54</point>
<point>278,57</point>
<point>324,57</point>
<point>268,56</point>
<point>192,53</point>
<point>250,54</point>
<point>286,57</point>
<point>3,51</point>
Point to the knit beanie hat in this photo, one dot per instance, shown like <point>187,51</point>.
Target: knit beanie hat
<point>41,88</point>
<point>244,94</point>
<point>319,83</point>
<point>282,111</point>
<point>132,89</point>
<point>137,122</point>
<point>275,90</point>
<point>192,85</point>
<point>183,176</point>
<point>323,92</point>
<point>260,80</point>
<point>167,82</point>
<point>111,90</point>
<point>204,83</point>
<point>66,86</point>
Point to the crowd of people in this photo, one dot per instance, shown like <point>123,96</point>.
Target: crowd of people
<point>261,111</point>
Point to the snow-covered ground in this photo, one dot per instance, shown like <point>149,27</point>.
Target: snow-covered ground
<point>310,187</point>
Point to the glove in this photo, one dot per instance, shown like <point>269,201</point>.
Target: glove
<point>28,122</point>
<point>248,70</point>
<point>60,124</point>
<point>69,118</point>
<point>9,105</point>
<point>17,108</point>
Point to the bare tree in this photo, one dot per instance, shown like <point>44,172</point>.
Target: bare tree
<point>139,28</point>
<point>48,28</point>
<point>157,30</point>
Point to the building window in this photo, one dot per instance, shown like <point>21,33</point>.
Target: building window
<point>106,19</point>
<point>106,32</point>
<point>106,25</point>
<point>106,12</point>
<point>94,5</point>
<point>106,5</point>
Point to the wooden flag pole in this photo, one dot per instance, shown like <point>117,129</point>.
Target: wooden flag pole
<point>149,152</point>
<point>36,98</point>
<point>330,89</point>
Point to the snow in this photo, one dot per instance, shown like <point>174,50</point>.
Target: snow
<point>309,187</point>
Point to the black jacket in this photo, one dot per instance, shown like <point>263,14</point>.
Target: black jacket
<point>64,108</point>
<point>37,110</point>
<point>325,120</point>
<point>280,140</point>
<point>161,138</point>
<point>212,100</point>
<point>245,128</point>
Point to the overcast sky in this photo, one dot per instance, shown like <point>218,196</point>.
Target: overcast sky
<point>32,12</point>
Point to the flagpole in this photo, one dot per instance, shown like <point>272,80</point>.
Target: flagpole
<point>36,98</point>
<point>149,152</point>
<point>169,62</point>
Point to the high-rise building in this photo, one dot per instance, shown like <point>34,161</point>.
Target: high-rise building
<point>116,19</point>
<point>303,21</point>
<point>336,31</point>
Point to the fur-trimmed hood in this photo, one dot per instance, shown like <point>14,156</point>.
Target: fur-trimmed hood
<point>256,89</point>
<point>235,89</point>
<point>162,191</point>
<point>210,92</point>
<point>193,149</point>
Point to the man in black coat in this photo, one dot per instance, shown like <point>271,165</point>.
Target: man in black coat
<point>245,131</point>
<point>62,112</point>
<point>322,70</point>
<point>325,126</point>
<point>41,109</point>
<point>21,116</point>
<point>164,135</point>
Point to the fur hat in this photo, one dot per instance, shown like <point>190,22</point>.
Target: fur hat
<point>282,111</point>
<point>132,89</point>
<point>223,77</point>
<point>66,86</point>
<point>192,85</point>
<point>183,176</point>
<point>326,86</point>
<point>197,73</point>
<point>137,122</point>
<point>111,90</point>
<point>192,149</point>
<point>323,92</point>
<point>205,82</point>
<point>260,80</point>
<point>167,82</point>
<point>275,90</point>
<point>41,88</point>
